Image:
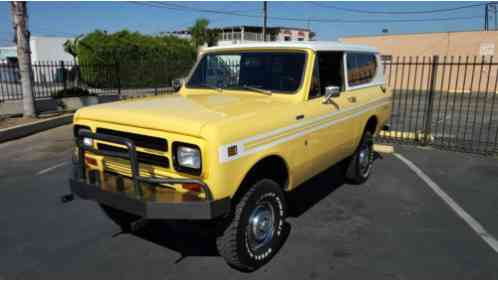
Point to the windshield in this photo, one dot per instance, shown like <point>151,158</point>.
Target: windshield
<point>265,72</point>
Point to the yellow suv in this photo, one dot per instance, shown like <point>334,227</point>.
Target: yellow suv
<point>251,122</point>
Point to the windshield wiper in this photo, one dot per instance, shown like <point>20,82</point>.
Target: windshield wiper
<point>255,89</point>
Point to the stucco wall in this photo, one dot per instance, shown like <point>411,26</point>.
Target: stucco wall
<point>451,47</point>
<point>48,49</point>
<point>474,43</point>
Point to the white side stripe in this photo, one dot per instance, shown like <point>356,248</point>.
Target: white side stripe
<point>223,156</point>
<point>473,223</point>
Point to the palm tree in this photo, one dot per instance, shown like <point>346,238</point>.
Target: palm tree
<point>71,47</point>
<point>199,32</point>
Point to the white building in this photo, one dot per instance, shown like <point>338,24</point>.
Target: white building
<point>43,50</point>
<point>247,34</point>
<point>49,49</point>
<point>231,35</point>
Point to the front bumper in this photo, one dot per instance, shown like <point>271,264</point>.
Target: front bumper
<point>147,197</point>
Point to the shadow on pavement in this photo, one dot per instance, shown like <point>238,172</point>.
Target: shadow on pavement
<point>199,238</point>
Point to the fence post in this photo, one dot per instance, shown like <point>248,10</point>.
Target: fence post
<point>428,117</point>
<point>64,76</point>
<point>118,76</point>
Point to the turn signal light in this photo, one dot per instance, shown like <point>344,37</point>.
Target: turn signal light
<point>192,187</point>
<point>91,161</point>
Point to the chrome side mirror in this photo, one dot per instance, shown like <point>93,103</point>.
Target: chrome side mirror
<point>177,84</point>
<point>331,92</point>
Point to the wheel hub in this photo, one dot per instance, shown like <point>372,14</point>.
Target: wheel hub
<point>261,225</point>
<point>365,159</point>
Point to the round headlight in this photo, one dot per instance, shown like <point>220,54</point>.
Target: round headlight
<point>188,157</point>
<point>87,141</point>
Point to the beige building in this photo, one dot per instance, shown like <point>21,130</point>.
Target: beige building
<point>451,47</point>
<point>467,43</point>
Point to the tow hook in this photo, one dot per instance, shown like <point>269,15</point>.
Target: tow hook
<point>67,198</point>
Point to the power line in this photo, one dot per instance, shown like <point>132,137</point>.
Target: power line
<point>174,6</point>
<point>397,12</point>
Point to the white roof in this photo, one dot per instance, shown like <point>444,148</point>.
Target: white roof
<point>313,45</point>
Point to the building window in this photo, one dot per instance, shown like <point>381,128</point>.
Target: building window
<point>300,39</point>
<point>386,57</point>
<point>287,38</point>
<point>361,68</point>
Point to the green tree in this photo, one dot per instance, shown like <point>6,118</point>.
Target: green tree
<point>71,47</point>
<point>199,32</point>
<point>133,59</point>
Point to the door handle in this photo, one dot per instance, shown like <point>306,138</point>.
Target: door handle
<point>352,99</point>
<point>299,117</point>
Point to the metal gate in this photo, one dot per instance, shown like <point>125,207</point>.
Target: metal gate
<point>449,103</point>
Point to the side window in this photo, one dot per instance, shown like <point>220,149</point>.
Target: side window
<point>361,68</point>
<point>328,71</point>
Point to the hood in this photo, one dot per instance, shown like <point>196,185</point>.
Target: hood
<point>177,113</point>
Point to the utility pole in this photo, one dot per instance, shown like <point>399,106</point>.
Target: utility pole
<point>495,14</point>
<point>19,12</point>
<point>486,17</point>
<point>265,14</point>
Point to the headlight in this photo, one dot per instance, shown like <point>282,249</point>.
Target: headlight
<point>188,157</point>
<point>87,141</point>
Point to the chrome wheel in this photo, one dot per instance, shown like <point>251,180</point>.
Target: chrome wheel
<point>365,159</point>
<point>261,227</point>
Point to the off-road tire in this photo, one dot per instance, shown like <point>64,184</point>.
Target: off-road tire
<point>122,219</point>
<point>355,173</point>
<point>233,243</point>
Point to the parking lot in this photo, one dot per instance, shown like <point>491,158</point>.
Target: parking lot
<point>393,226</point>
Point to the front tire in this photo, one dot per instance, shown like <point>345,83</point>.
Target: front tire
<point>256,231</point>
<point>360,164</point>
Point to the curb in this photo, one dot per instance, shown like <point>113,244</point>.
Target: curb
<point>34,127</point>
<point>383,148</point>
<point>405,135</point>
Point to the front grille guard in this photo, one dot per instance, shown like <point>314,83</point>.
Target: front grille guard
<point>132,156</point>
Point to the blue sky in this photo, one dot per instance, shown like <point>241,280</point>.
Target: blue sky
<point>73,18</point>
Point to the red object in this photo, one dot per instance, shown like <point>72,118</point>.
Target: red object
<point>300,33</point>
<point>91,161</point>
<point>192,187</point>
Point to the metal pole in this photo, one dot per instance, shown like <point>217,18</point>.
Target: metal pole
<point>265,13</point>
<point>486,17</point>
<point>118,77</point>
<point>428,120</point>
<point>63,74</point>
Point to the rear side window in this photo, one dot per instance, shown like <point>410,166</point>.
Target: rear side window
<point>361,68</point>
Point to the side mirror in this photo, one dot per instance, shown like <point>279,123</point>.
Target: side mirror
<point>177,84</point>
<point>331,92</point>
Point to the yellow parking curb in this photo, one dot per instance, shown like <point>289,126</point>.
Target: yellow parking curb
<point>405,135</point>
<point>383,148</point>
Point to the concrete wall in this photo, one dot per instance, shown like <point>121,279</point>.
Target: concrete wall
<point>472,43</point>
<point>49,49</point>
<point>449,46</point>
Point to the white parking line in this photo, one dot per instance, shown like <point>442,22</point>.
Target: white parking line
<point>49,169</point>
<point>473,223</point>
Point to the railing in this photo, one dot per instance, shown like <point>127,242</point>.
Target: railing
<point>449,103</point>
<point>51,77</point>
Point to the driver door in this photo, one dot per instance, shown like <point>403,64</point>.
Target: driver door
<point>331,125</point>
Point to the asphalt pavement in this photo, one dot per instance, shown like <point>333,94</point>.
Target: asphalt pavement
<point>393,226</point>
